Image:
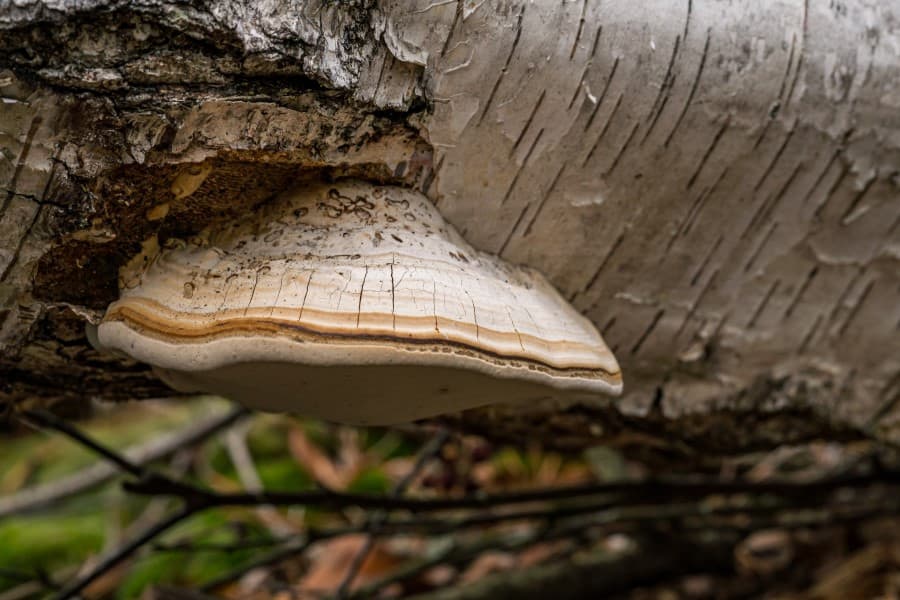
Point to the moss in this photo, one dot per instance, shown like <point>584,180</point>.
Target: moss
<point>370,481</point>
<point>284,475</point>
<point>51,541</point>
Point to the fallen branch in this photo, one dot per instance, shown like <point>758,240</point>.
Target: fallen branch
<point>643,492</point>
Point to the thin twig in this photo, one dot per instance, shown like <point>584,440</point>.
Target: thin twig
<point>275,557</point>
<point>453,554</point>
<point>16,574</point>
<point>42,418</point>
<point>147,479</point>
<point>123,552</point>
<point>426,454</point>
<point>157,508</point>
<point>598,574</point>
<point>236,444</point>
<point>239,546</point>
<point>23,591</point>
<point>43,582</point>
<point>193,501</point>
<point>38,497</point>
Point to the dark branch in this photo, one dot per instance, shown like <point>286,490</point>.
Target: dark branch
<point>644,492</point>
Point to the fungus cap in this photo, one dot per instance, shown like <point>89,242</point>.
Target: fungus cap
<point>354,303</point>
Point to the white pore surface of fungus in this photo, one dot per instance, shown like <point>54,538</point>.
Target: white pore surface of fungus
<point>354,303</point>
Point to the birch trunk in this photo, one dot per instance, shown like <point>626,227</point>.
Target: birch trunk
<point>714,184</point>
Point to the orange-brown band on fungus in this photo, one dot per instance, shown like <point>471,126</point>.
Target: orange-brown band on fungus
<point>172,329</point>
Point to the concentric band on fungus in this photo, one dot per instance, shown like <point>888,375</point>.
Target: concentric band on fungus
<point>174,328</point>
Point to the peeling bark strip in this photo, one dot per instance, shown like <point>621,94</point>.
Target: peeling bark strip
<point>724,180</point>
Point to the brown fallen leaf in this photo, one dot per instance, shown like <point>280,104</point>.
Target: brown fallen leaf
<point>331,559</point>
<point>858,576</point>
<point>318,463</point>
<point>487,563</point>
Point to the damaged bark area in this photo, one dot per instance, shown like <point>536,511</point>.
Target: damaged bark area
<point>718,194</point>
<point>124,123</point>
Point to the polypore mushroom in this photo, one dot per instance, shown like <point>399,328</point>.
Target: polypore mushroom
<point>354,303</point>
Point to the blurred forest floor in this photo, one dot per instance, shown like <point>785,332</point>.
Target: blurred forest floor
<point>327,553</point>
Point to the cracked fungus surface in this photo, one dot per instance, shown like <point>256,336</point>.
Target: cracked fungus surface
<point>355,303</point>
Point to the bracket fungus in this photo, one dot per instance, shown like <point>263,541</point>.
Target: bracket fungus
<point>354,303</point>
